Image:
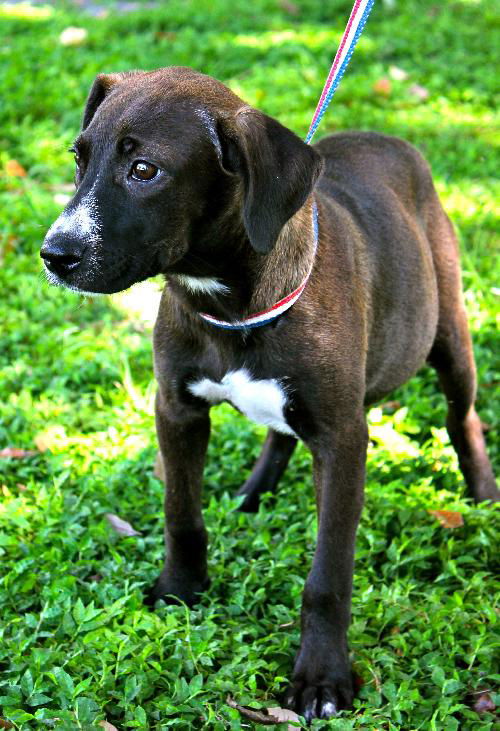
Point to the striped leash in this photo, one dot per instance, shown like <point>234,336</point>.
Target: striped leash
<point>359,15</point>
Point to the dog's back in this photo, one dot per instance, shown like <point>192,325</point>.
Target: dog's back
<point>386,187</point>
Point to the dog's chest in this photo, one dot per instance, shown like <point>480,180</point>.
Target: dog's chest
<point>263,401</point>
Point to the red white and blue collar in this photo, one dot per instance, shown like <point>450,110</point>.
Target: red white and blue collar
<point>266,316</point>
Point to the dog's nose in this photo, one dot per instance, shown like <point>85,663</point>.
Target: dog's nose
<point>61,256</point>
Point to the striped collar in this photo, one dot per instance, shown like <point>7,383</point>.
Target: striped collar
<point>266,316</point>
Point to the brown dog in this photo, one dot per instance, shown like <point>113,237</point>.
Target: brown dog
<point>175,174</point>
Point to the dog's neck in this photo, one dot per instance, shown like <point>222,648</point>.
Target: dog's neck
<point>237,282</point>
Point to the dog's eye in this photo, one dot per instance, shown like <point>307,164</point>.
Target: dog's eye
<point>142,170</point>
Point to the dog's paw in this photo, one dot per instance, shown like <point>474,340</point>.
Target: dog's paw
<point>175,591</point>
<point>323,699</point>
<point>318,701</point>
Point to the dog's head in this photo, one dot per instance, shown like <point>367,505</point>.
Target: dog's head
<point>166,160</point>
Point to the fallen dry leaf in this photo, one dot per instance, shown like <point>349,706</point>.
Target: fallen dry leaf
<point>107,726</point>
<point>391,405</point>
<point>448,518</point>
<point>16,453</point>
<point>283,714</point>
<point>484,704</point>
<point>14,169</point>
<point>383,87</point>
<point>265,716</point>
<point>73,36</point>
<point>419,92</point>
<point>5,724</point>
<point>165,34</point>
<point>121,526</point>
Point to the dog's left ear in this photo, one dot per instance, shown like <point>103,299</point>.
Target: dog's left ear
<point>278,169</point>
<point>102,86</point>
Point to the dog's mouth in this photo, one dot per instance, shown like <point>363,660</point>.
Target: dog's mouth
<point>99,277</point>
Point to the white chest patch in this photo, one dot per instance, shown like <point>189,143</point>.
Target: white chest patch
<point>202,285</point>
<point>263,401</point>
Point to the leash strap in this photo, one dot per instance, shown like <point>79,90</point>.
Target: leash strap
<point>265,316</point>
<point>359,15</point>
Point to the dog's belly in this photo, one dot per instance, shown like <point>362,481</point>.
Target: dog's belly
<point>263,401</point>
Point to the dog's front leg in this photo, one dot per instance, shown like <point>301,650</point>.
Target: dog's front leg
<point>322,680</point>
<point>183,433</point>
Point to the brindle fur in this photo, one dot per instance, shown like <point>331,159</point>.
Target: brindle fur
<point>383,298</point>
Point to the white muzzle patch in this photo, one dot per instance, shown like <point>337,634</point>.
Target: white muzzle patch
<point>83,221</point>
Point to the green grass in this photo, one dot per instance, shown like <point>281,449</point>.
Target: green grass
<point>76,643</point>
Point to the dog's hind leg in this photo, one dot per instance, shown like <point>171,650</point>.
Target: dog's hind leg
<point>453,359</point>
<point>267,471</point>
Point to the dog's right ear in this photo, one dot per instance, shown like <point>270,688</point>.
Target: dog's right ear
<point>100,89</point>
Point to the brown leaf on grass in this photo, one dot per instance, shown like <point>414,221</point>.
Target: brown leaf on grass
<point>382,87</point>
<point>165,35</point>
<point>264,716</point>
<point>121,526</point>
<point>107,726</point>
<point>14,169</point>
<point>5,724</point>
<point>484,704</point>
<point>448,518</point>
<point>283,714</point>
<point>16,453</point>
<point>391,405</point>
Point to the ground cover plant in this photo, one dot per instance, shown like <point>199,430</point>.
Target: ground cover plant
<point>77,647</point>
